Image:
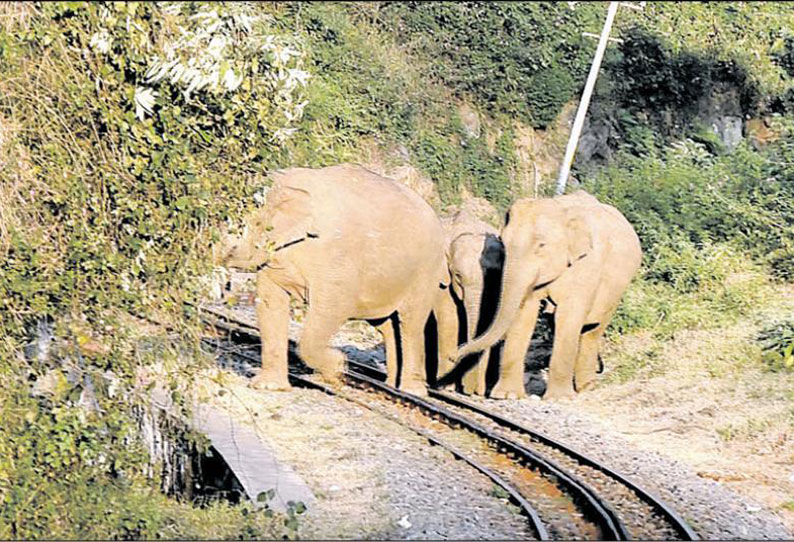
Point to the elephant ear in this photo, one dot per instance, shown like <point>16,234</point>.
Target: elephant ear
<point>292,218</point>
<point>457,285</point>
<point>580,239</point>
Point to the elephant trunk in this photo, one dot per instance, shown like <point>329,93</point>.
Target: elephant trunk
<point>244,256</point>
<point>514,287</point>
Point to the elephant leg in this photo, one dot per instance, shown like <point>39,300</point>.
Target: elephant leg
<point>568,323</point>
<point>390,345</point>
<point>447,325</point>
<point>272,314</point>
<point>318,328</point>
<point>517,339</point>
<point>587,363</point>
<point>412,326</point>
<point>474,379</point>
<point>447,318</point>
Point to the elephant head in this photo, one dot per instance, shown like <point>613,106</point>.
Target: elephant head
<point>286,219</point>
<point>474,252</point>
<point>542,238</point>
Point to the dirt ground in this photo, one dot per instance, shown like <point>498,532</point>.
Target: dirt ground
<point>704,398</point>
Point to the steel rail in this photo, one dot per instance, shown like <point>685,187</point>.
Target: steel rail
<point>599,511</point>
<point>681,527</point>
<point>535,522</point>
<point>678,523</point>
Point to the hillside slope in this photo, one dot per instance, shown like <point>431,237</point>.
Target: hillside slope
<point>131,133</point>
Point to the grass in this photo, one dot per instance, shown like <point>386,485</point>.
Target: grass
<point>706,396</point>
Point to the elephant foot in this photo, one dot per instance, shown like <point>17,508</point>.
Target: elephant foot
<point>507,392</point>
<point>472,385</point>
<point>414,388</point>
<point>264,382</point>
<point>468,389</point>
<point>557,394</point>
<point>331,376</point>
<point>586,384</point>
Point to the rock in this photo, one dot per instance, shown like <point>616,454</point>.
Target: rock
<point>404,523</point>
<point>594,141</point>
<point>721,111</point>
<point>729,130</point>
<point>470,120</point>
<point>416,181</point>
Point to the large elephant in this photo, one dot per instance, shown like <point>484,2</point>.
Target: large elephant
<point>353,245</point>
<point>474,255</point>
<point>579,255</point>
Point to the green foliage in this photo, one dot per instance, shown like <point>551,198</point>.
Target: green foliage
<point>777,342</point>
<point>688,198</point>
<point>649,76</point>
<point>519,58</point>
<point>454,159</point>
<point>704,220</point>
<point>748,33</point>
<point>364,90</point>
<point>114,183</point>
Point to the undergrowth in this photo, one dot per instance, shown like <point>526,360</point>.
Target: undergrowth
<point>132,133</point>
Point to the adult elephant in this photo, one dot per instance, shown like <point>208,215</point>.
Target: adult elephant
<point>578,254</point>
<point>353,245</point>
<point>474,257</point>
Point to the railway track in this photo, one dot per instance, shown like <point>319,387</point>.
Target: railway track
<point>564,494</point>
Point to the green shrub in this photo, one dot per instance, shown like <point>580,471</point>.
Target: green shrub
<point>777,342</point>
<point>517,58</point>
<point>687,198</point>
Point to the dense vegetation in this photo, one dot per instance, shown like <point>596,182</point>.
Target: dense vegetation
<point>131,132</point>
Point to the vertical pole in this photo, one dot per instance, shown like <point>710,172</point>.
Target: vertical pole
<point>576,131</point>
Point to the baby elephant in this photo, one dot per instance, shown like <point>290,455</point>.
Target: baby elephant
<point>353,245</point>
<point>474,256</point>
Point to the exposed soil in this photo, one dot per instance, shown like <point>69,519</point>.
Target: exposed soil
<point>372,478</point>
<point>700,422</point>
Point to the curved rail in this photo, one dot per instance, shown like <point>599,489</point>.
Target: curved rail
<point>685,532</point>
<point>536,524</point>
<point>590,503</point>
<point>600,512</point>
<point>678,523</point>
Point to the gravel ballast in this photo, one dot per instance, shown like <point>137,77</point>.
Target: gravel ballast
<point>712,509</point>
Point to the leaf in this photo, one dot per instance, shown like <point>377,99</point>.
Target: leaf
<point>182,203</point>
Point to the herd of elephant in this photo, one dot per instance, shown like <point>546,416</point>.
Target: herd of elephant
<point>352,244</point>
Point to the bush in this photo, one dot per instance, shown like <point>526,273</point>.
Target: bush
<point>517,58</point>
<point>120,161</point>
<point>687,198</point>
<point>777,342</point>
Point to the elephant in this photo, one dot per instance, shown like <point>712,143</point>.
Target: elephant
<point>353,245</point>
<point>578,255</point>
<point>474,255</point>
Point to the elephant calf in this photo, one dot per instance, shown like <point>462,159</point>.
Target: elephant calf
<point>353,245</point>
<point>579,255</point>
<point>474,252</point>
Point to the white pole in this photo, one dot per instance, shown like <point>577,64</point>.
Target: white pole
<point>576,131</point>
